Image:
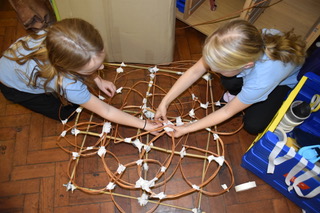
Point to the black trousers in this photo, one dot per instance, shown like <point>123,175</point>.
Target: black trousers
<point>45,104</point>
<point>258,116</point>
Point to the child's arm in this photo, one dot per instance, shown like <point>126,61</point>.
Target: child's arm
<point>217,117</point>
<point>183,83</point>
<point>115,115</point>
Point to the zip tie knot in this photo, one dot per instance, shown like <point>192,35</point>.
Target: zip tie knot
<point>119,90</point>
<point>110,186</point>
<point>75,155</point>
<point>101,97</point>
<point>161,195</point>
<point>102,151</point>
<point>121,168</point>
<point>219,160</point>
<point>183,152</point>
<point>143,200</point>
<point>63,134</point>
<point>196,187</point>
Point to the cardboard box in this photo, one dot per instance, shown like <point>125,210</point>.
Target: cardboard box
<point>140,31</point>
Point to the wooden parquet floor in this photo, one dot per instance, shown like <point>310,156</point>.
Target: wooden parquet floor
<point>33,168</point>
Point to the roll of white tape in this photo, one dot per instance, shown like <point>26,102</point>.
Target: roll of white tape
<point>245,186</point>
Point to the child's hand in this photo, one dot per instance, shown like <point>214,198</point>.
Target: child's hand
<point>179,130</point>
<point>151,125</point>
<point>106,86</point>
<point>161,113</point>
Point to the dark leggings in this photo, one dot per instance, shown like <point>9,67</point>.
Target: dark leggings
<point>45,104</point>
<point>258,116</point>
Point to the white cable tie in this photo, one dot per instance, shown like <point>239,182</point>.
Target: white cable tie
<point>150,85</point>
<point>89,147</point>
<point>191,113</point>
<point>148,94</point>
<point>145,167</point>
<point>119,90</point>
<point>75,155</point>
<point>147,148</point>
<point>70,186</point>
<point>194,97</point>
<point>183,152</point>
<point>196,210</point>
<point>64,121</point>
<point>207,77</point>
<point>123,64</point>
<point>219,160</point>
<point>106,128</point>
<point>63,134</point>
<point>101,97</point>
<point>217,103</point>
<point>144,184</point>
<point>154,69</point>
<point>208,129</point>
<point>179,73</point>
<point>110,186</point>
<point>138,144</point>
<point>224,186</point>
<point>102,151</point>
<point>163,168</point>
<point>148,184</point>
<point>144,106</point>
<point>161,196</point>
<point>152,76</point>
<point>215,136</point>
<point>139,182</point>
<point>139,162</point>
<point>119,70</point>
<point>127,140</point>
<point>149,114</point>
<point>121,168</point>
<point>79,109</point>
<point>168,129</point>
<point>143,200</point>
<point>179,121</point>
<point>144,101</point>
<point>245,186</point>
<point>75,131</point>
<point>204,106</point>
<point>196,187</point>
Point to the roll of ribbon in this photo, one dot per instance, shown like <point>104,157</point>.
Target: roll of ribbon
<point>245,186</point>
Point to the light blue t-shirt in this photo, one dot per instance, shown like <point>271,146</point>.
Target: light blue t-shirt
<point>260,80</point>
<point>17,76</point>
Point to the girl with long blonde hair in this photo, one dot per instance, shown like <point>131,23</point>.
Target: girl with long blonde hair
<point>258,69</point>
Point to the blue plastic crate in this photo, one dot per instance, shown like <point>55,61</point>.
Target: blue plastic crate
<point>180,4</point>
<point>256,158</point>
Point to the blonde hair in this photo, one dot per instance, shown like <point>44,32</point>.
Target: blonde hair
<point>68,46</point>
<point>238,42</point>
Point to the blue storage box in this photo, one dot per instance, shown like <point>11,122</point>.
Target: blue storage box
<point>180,5</point>
<point>293,176</point>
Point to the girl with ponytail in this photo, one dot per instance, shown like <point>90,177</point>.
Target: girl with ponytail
<point>258,68</point>
<point>52,72</point>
